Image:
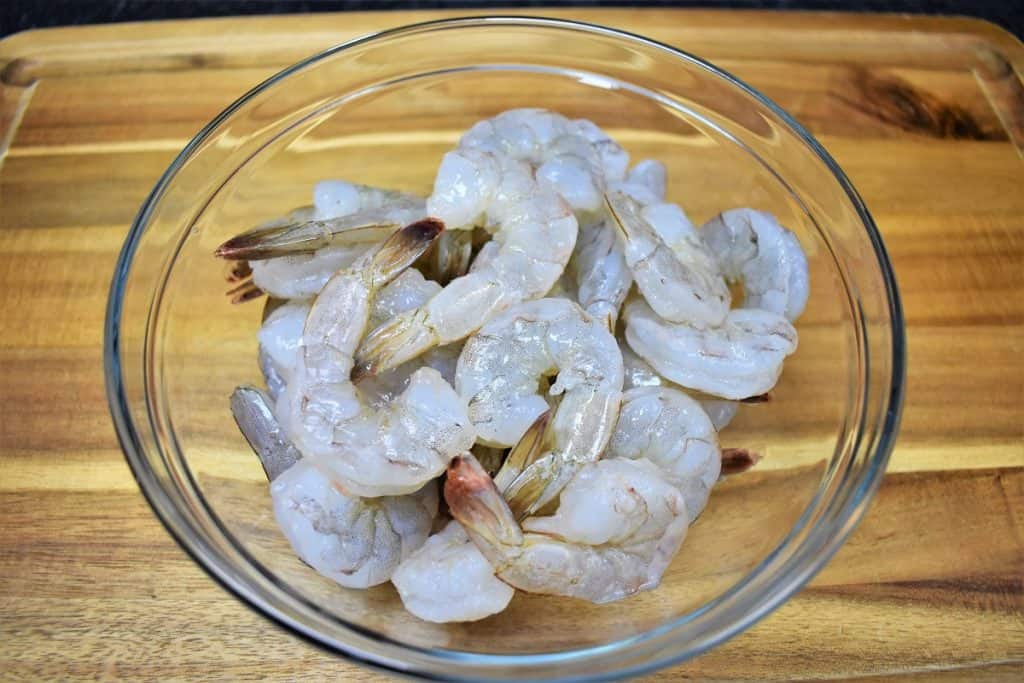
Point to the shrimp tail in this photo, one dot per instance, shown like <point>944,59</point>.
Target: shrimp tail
<point>474,501</point>
<point>450,256</point>
<point>251,410</point>
<point>538,485</point>
<point>394,342</point>
<point>400,250</point>
<point>304,237</point>
<point>531,445</point>
<point>738,460</point>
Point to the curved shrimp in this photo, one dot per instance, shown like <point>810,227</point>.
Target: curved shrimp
<point>671,430</point>
<point>738,359</point>
<point>752,247</point>
<point>674,271</point>
<point>370,452</point>
<point>357,542</point>
<point>521,174</point>
<point>598,264</point>
<point>638,373</point>
<point>618,525</point>
<point>498,375</point>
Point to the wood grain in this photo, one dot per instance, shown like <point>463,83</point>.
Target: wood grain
<point>925,114</point>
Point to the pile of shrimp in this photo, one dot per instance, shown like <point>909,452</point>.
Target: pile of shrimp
<point>545,343</point>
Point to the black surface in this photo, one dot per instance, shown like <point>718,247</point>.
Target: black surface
<point>18,15</point>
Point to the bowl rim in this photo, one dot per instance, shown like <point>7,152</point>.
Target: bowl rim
<point>854,507</point>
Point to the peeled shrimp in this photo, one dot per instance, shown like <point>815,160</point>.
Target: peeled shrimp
<point>671,430</point>
<point>498,374</point>
<point>521,175</point>
<point>639,373</point>
<point>576,158</point>
<point>279,338</point>
<point>448,579</point>
<point>618,525</point>
<point>753,248</point>
<point>599,264</point>
<point>672,268</point>
<point>370,452</point>
<point>738,359</point>
<point>357,542</point>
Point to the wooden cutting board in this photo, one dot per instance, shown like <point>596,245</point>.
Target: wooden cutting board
<point>925,114</point>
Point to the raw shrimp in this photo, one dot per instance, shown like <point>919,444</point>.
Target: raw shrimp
<point>674,271</point>
<point>618,525</point>
<point>294,259</point>
<point>521,175</point>
<point>671,430</point>
<point>639,373</point>
<point>370,452</point>
<point>738,359</point>
<point>576,158</point>
<point>598,264</point>
<point>281,333</point>
<point>357,542</point>
<point>498,374</point>
<point>448,579</point>
<point>279,338</point>
<point>535,240</point>
<point>343,213</point>
<point>254,416</point>
<point>753,248</point>
<point>405,292</point>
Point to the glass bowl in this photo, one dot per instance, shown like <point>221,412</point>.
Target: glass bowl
<point>381,110</point>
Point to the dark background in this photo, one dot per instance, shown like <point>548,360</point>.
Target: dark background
<point>17,15</point>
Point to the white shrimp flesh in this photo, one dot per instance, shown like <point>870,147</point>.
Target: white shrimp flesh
<point>674,271</point>
<point>738,359</point>
<point>639,373</point>
<point>448,579</point>
<point>357,542</point>
<point>753,248</point>
<point>521,175</point>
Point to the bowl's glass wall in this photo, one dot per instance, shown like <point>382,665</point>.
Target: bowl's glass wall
<point>383,112</point>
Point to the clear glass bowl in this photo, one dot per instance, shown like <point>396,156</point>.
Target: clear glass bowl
<point>382,110</point>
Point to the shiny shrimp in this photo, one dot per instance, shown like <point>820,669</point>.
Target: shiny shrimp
<point>392,450</point>
<point>598,265</point>
<point>674,271</point>
<point>671,430</point>
<point>498,374</point>
<point>738,359</point>
<point>521,175</point>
